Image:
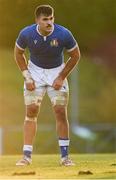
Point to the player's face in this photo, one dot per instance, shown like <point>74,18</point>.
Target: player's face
<point>45,22</point>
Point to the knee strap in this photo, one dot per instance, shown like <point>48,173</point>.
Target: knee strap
<point>59,100</point>
<point>33,99</point>
<point>31,119</point>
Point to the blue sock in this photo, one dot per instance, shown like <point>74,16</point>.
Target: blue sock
<point>27,150</point>
<point>64,144</point>
<point>64,151</point>
<point>27,153</point>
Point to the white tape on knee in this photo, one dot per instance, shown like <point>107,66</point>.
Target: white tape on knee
<point>59,100</point>
<point>31,119</point>
<point>31,99</point>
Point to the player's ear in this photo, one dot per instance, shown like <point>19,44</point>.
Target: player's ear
<point>37,20</point>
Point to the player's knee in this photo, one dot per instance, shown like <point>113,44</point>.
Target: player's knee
<point>32,110</point>
<point>59,109</point>
<point>61,114</point>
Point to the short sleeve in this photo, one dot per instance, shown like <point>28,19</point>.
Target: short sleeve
<point>21,41</point>
<point>70,42</point>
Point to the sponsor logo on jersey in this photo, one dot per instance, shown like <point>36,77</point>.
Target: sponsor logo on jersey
<point>35,41</point>
<point>54,43</point>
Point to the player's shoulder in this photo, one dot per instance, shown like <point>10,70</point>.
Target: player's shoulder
<point>61,28</point>
<point>28,29</point>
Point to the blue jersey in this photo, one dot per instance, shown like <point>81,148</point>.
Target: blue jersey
<point>46,51</point>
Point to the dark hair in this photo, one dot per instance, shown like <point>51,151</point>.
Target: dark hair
<point>46,10</point>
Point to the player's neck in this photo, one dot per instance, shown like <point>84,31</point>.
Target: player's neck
<point>44,33</point>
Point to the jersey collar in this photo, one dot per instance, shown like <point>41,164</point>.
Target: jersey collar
<point>37,29</point>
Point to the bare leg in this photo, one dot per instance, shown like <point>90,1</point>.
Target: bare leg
<point>30,124</point>
<point>63,133</point>
<point>30,128</point>
<point>62,124</point>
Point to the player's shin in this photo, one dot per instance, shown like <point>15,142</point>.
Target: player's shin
<point>30,127</point>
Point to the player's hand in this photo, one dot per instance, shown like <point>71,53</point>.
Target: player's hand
<point>29,82</point>
<point>58,82</point>
<point>30,85</point>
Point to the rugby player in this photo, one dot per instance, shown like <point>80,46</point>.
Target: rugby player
<point>46,72</point>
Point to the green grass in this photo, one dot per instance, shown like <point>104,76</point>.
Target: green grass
<point>103,166</point>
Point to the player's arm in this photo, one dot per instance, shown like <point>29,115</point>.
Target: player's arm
<point>74,57</point>
<point>22,64</point>
<point>72,48</point>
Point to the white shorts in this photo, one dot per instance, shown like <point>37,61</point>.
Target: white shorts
<point>44,79</point>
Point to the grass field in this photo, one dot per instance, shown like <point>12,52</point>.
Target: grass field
<point>88,166</point>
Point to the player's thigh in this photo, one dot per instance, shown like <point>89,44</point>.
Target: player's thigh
<point>60,97</point>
